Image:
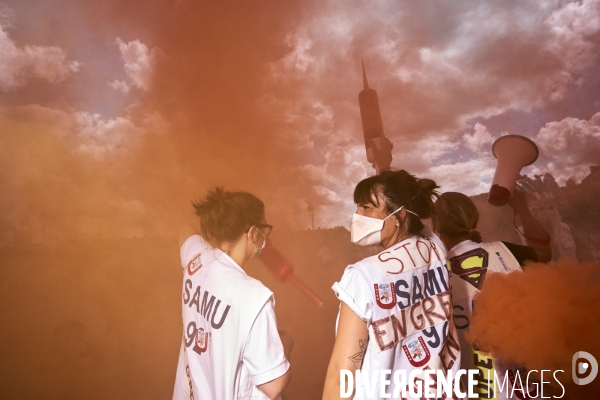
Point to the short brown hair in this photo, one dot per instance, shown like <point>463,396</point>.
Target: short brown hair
<point>225,215</point>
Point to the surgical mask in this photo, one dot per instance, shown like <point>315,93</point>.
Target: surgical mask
<point>257,250</point>
<point>366,231</point>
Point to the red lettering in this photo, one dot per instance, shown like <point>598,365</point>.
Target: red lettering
<point>389,259</point>
<point>399,327</point>
<point>433,246</point>
<point>407,252</point>
<point>421,324</point>
<point>428,307</point>
<point>187,372</point>
<point>379,333</point>
<point>446,355</point>
<point>421,254</point>
<point>443,298</point>
<point>452,344</point>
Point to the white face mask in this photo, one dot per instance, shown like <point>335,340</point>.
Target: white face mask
<point>257,250</point>
<point>366,231</point>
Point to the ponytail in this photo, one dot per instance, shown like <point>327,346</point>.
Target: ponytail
<point>400,189</point>
<point>456,215</point>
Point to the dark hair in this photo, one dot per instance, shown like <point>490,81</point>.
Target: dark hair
<point>456,215</point>
<point>397,189</point>
<point>225,215</point>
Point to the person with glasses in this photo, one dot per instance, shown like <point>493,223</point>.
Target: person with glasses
<point>231,348</point>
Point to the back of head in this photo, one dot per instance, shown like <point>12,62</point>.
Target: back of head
<point>400,189</point>
<point>226,215</point>
<point>456,215</point>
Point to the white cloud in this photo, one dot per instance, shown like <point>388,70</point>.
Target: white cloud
<point>139,65</point>
<point>435,68</point>
<point>480,140</point>
<point>120,86</point>
<point>85,133</point>
<point>99,136</point>
<point>17,65</point>
<point>572,144</point>
<point>467,177</point>
<point>85,163</point>
<point>7,16</point>
<point>300,121</point>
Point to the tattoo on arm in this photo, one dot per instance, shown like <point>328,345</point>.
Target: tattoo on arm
<point>358,357</point>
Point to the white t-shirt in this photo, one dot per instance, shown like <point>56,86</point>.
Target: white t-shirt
<point>403,294</point>
<point>470,263</point>
<point>230,341</point>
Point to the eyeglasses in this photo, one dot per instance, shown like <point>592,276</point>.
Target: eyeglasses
<point>266,231</point>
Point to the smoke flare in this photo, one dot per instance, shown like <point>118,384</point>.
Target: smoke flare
<point>541,317</point>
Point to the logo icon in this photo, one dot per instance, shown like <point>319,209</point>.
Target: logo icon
<point>201,344</point>
<point>195,264</point>
<point>585,368</point>
<point>417,352</point>
<point>385,291</point>
<point>471,266</point>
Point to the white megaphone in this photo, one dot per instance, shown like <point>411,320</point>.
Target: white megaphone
<point>513,152</point>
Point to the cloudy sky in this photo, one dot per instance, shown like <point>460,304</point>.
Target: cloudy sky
<point>114,115</point>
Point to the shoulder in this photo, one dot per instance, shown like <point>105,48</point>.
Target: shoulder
<point>236,278</point>
<point>192,249</point>
<point>354,290</point>
<point>360,267</point>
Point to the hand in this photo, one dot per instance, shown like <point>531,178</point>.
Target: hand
<point>519,201</point>
<point>288,343</point>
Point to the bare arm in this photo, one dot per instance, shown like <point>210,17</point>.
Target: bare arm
<point>531,227</point>
<point>275,387</point>
<point>348,350</point>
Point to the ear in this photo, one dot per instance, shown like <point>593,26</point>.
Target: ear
<point>253,233</point>
<point>402,215</point>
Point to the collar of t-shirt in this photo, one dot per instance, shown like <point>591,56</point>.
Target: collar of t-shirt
<point>224,258</point>
<point>462,247</point>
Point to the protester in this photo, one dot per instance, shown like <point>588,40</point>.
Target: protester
<point>455,220</point>
<point>395,311</point>
<point>231,348</point>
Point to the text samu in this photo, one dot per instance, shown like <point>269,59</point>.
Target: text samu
<point>206,307</point>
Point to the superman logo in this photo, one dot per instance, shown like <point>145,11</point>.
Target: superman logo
<point>471,266</point>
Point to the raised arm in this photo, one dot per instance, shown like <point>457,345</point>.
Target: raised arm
<point>348,350</point>
<point>531,227</point>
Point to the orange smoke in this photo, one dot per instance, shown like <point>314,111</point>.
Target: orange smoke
<point>540,318</point>
<point>133,172</point>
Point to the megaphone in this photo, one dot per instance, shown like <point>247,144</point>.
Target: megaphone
<point>513,152</point>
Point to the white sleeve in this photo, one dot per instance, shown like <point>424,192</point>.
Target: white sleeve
<point>191,248</point>
<point>354,290</point>
<point>263,354</point>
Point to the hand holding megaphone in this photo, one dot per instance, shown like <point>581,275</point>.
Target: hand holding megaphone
<point>513,152</point>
